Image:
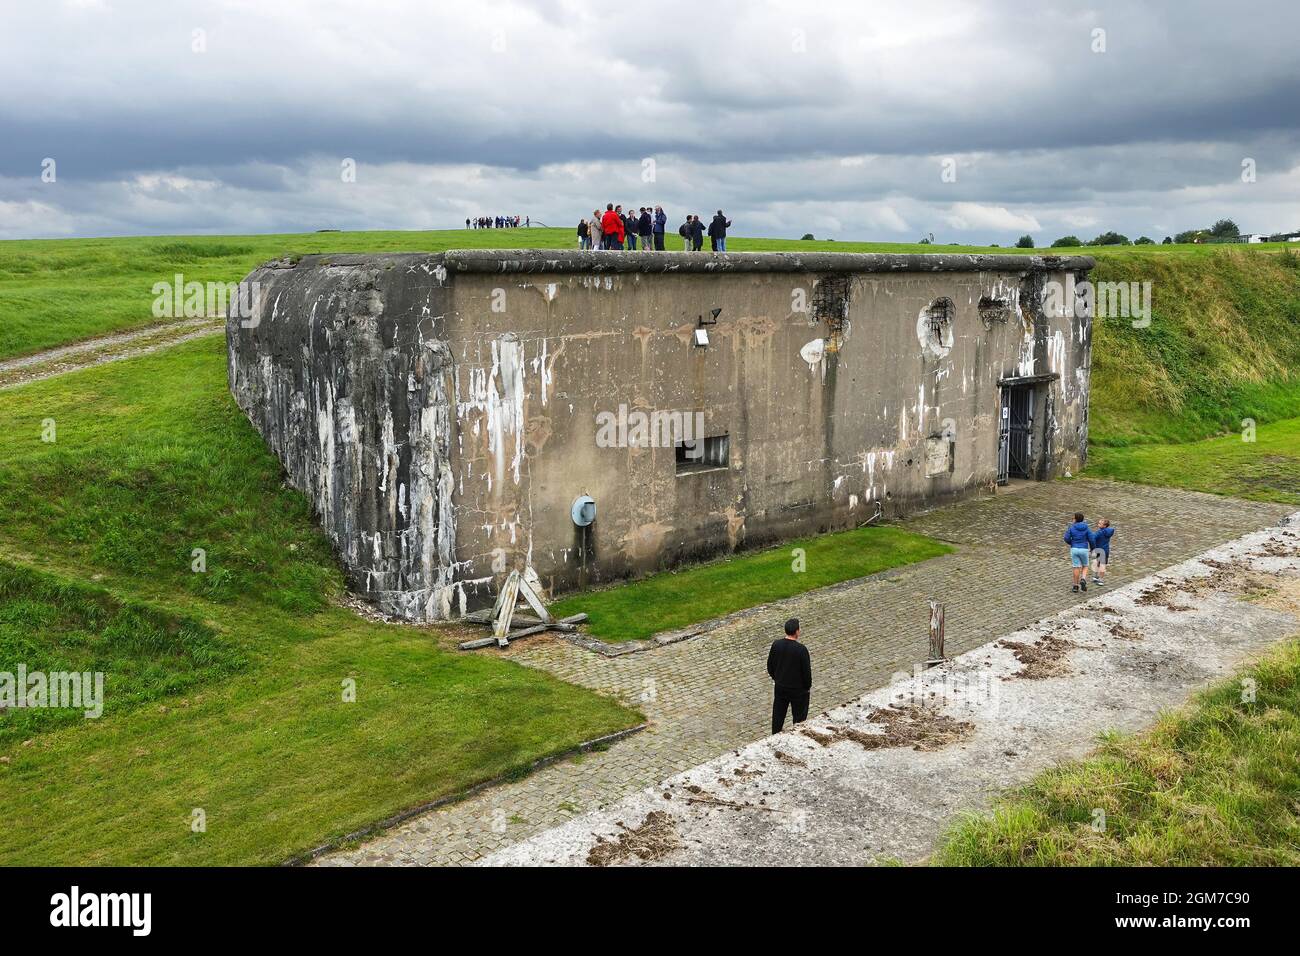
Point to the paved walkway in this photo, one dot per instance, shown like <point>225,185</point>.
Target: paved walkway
<point>710,694</point>
<point>882,778</point>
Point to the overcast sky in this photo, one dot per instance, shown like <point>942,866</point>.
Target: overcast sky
<point>840,119</point>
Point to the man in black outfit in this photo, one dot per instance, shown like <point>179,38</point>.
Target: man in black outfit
<point>790,667</point>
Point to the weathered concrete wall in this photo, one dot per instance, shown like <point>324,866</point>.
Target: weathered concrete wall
<point>342,368</point>
<point>443,411</point>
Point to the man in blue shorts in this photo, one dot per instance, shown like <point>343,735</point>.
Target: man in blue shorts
<point>1079,537</point>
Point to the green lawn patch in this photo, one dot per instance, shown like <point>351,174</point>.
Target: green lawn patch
<point>225,687</point>
<point>677,599</point>
<point>1212,785</point>
<point>49,624</point>
<point>1266,469</point>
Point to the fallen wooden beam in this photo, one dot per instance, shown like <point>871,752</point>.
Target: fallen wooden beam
<point>568,625</point>
<point>476,644</point>
<point>527,620</point>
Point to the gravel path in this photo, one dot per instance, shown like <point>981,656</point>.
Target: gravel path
<point>105,349</point>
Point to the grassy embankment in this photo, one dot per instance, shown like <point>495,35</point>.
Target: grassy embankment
<point>224,689</point>
<point>1213,784</point>
<point>1171,403</point>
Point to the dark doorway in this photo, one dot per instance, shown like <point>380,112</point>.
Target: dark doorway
<point>1018,402</point>
<point>1020,431</point>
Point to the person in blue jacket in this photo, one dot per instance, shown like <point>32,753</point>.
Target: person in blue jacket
<point>1099,541</point>
<point>661,223</point>
<point>1079,537</point>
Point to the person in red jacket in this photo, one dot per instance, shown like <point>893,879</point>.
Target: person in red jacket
<point>612,223</point>
<point>609,226</point>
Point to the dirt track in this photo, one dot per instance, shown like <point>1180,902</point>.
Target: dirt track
<point>104,349</point>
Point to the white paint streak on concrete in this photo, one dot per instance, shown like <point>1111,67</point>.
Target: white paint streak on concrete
<point>812,353</point>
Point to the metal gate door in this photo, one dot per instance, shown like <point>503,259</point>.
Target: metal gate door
<point>1019,410</point>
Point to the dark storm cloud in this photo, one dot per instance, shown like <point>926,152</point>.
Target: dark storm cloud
<point>791,112</point>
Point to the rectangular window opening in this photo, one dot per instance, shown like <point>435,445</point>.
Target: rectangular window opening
<point>703,454</point>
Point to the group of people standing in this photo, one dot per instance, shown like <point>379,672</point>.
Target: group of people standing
<point>498,222</point>
<point>613,229</point>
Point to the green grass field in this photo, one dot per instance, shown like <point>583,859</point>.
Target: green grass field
<point>1266,469</point>
<point>1212,785</point>
<point>224,688</point>
<point>677,599</point>
<point>52,624</point>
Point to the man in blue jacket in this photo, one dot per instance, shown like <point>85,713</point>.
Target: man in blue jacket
<point>661,223</point>
<point>1099,541</point>
<point>1079,537</point>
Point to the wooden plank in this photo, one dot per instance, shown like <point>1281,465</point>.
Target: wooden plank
<point>489,641</point>
<point>566,626</point>
<point>528,631</point>
<point>508,601</point>
<point>534,600</point>
<point>526,620</point>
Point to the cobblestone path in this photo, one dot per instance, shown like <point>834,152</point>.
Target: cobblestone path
<point>710,694</point>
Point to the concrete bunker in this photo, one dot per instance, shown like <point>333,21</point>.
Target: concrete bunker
<point>444,413</point>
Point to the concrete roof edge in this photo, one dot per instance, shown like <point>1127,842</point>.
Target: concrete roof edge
<point>499,261</point>
<point>547,260</point>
